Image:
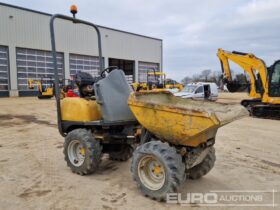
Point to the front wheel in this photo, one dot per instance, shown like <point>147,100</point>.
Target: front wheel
<point>157,169</point>
<point>82,152</point>
<point>205,166</point>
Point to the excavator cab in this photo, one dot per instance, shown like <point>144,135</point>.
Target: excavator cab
<point>274,79</point>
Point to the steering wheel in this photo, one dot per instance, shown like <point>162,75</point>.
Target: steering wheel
<point>108,70</point>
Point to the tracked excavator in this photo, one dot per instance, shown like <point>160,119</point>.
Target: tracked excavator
<point>264,86</point>
<point>46,90</point>
<point>45,87</point>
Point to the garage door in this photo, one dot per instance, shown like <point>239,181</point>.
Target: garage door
<point>4,71</point>
<point>35,64</point>
<point>143,67</point>
<point>84,63</point>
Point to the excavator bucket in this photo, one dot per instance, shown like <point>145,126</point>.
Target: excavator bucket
<point>237,87</point>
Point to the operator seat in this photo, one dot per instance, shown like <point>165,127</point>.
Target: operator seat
<point>112,94</point>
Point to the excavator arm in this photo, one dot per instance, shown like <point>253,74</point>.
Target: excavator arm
<point>32,82</point>
<point>251,64</point>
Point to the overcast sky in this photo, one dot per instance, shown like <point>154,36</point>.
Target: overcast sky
<point>192,30</point>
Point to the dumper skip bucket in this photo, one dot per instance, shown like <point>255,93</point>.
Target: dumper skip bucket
<point>182,121</point>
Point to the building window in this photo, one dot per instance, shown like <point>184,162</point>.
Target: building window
<point>84,63</point>
<point>4,69</point>
<point>36,64</point>
<point>143,68</point>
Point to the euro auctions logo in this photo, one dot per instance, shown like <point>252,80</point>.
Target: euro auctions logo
<point>191,198</point>
<point>244,198</point>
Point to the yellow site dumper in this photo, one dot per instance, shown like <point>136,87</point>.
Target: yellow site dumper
<point>175,136</point>
<point>176,140</point>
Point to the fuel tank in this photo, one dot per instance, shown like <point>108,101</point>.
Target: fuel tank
<point>80,110</point>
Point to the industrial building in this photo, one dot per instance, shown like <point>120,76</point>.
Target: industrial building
<point>25,50</point>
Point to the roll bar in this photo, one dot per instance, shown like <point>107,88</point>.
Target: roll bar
<point>52,33</point>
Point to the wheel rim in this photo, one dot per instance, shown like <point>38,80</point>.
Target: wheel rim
<point>76,153</point>
<point>151,172</point>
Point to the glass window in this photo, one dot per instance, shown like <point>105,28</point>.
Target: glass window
<point>276,74</point>
<point>189,88</point>
<point>274,87</point>
<point>199,89</point>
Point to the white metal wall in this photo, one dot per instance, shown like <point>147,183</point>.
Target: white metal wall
<point>31,30</point>
<point>26,29</point>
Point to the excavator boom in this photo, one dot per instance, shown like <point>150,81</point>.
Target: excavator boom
<point>32,82</point>
<point>252,65</point>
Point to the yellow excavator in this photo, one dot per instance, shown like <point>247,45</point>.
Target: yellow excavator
<point>264,86</point>
<point>45,87</point>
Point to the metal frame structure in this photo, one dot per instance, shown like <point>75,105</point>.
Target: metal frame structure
<point>52,33</point>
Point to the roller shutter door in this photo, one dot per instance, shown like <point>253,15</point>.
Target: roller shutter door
<point>4,71</point>
<point>35,64</point>
<point>84,63</point>
<point>129,79</point>
<point>143,67</point>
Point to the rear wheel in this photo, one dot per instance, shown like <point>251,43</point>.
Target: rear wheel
<point>82,152</point>
<point>157,169</point>
<point>204,167</point>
